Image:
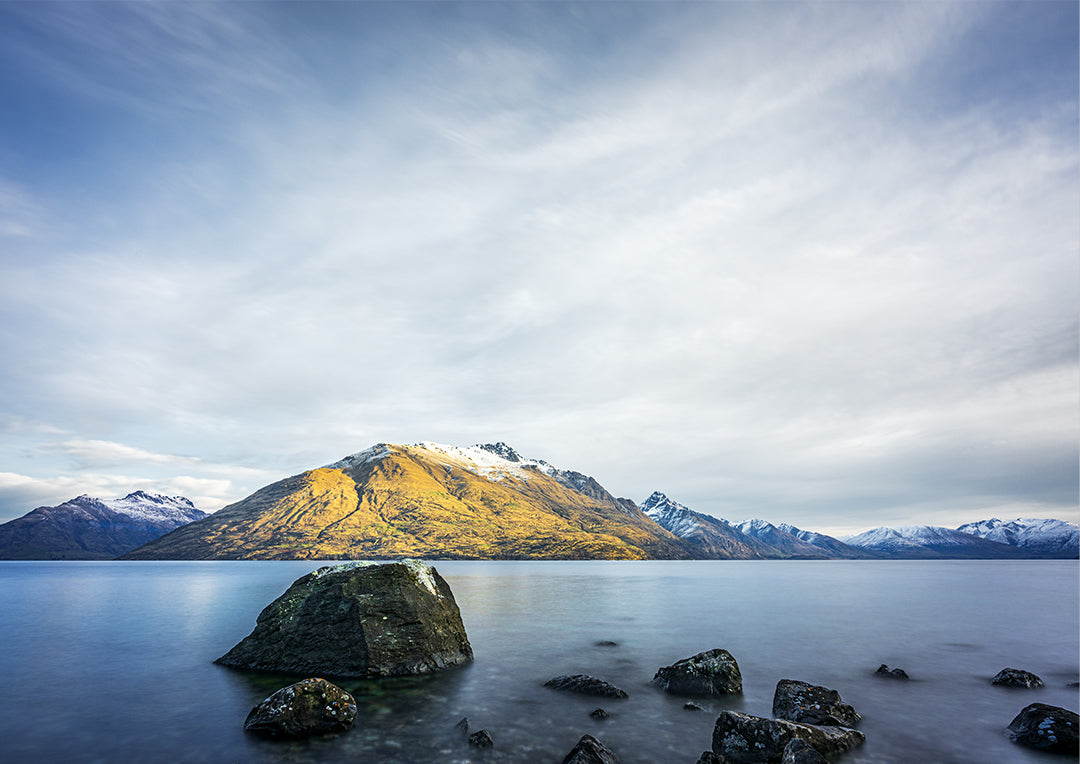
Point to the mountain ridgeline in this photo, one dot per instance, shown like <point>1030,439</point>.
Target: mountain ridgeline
<point>85,528</point>
<point>482,502</point>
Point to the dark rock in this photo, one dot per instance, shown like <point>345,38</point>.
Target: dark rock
<point>607,643</point>
<point>1073,684</point>
<point>310,707</point>
<point>1047,728</point>
<point>583,684</point>
<point>744,739</point>
<point>710,673</point>
<point>599,713</point>
<point>896,673</point>
<point>798,751</point>
<point>463,725</point>
<point>358,619</point>
<point>1010,677</point>
<point>481,739</point>
<point>810,704</point>
<point>708,757</point>
<point>589,750</point>
<point>692,707</point>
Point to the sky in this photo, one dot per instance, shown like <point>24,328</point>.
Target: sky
<point>810,262</point>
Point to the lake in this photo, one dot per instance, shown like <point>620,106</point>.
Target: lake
<point>112,661</point>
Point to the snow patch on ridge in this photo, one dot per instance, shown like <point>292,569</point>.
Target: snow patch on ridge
<point>373,454</point>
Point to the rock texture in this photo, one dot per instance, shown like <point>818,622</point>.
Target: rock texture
<point>583,684</point>
<point>358,620</point>
<point>744,739</point>
<point>589,750</point>
<point>810,704</point>
<point>1010,677</point>
<point>310,707</point>
<point>1047,728</point>
<point>714,672</point>
<point>798,751</point>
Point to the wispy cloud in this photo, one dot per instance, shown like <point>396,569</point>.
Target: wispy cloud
<point>772,259</point>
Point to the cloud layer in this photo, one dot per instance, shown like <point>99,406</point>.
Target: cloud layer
<point>816,263</point>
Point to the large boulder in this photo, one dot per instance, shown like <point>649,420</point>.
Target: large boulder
<point>358,620</point>
<point>744,739</point>
<point>810,704</point>
<point>714,672</point>
<point>583,684</point>
<point>310,707</point>
<point>1047,728</point>
<point>589,750</point>
<point>1010,677</point>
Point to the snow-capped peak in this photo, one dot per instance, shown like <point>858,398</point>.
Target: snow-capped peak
<point>670,514</point>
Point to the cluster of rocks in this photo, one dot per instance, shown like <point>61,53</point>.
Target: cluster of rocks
<point>368,620</point>
<point>811,722</point>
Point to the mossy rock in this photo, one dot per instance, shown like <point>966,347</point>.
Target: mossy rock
<point>358,620</point>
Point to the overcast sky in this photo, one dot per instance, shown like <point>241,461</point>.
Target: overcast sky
<point>815,263</point>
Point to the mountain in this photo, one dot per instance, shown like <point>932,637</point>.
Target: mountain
<point>789,541</point>
<point>425,500</point>
<point>707,537</point>
<point>86,528</point>
<point>932,542</point>
<point>1040,538</point>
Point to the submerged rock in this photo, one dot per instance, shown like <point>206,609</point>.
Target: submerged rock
<point>583,684</point>
<point>744,739</point>
<point>714,672</point>
<point>599,713</point>
<point>1047,728</point>
<point>311,707</point>
<point>798,751</point>
<point>357,620</point>
<point>1010,677</point>
<point>709,757</point>
<point>589,750</point>
<point>896,673</point>
<point>810,704</point>
<point>481,739</point>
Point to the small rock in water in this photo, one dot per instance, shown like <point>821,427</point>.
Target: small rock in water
<point>708,757</point>
<point>583,684</point>
<point>1047,728</point>
<point>744,739</point>
<point>310,707</point>
<point>599,713</point>
<point>810,704</point>
<point>481,739</point>
<point>1010,677</point>
<point>896,673</point>
<point>589,750</point>
<point>714,672</point>
<point>798,751</point>
<point>607,643</point>
<point>463,725</point>
<point>690,706</point>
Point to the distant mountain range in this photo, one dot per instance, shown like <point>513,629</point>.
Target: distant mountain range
<point>480,502</point>
<point>86,528</point>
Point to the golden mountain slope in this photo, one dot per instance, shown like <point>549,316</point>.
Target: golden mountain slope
<point>422,501</point>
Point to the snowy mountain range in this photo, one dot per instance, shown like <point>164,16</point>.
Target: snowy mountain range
<point>87,528</point>
<point>1052,538</point>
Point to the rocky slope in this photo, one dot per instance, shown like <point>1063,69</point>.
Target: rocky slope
<point>425,500</point>
<point>790,541</point>
<point>86,528</point>
<point>1038,537</point>
<point>707,537</point>
<point>931,542</point>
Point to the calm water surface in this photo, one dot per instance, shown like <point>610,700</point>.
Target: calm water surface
<point>112,662</point>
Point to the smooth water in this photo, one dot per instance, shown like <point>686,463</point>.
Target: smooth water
<point>112,661</point>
